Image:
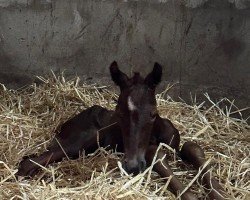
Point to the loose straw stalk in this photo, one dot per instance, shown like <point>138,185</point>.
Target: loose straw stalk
<point>29,118</point>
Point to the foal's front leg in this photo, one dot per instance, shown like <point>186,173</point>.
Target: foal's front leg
<point>194,154</point>
<point>163,169</point>
<point>165,132</point>
<point>28,167</point>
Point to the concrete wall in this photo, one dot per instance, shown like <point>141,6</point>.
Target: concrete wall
<point>202,44</point>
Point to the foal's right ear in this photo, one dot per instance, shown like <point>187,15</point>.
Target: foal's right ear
<point>118,76</point>
<point>154,77</point>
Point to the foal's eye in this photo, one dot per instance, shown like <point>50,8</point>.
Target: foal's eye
<point>153,115</point>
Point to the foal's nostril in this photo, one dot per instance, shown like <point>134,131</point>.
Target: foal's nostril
<point>142,165</point>
<point>124,165</point>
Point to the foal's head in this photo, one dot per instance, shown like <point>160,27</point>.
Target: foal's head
<point>136,111</point>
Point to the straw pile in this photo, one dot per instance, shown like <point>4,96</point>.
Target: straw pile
<point>30,116</point>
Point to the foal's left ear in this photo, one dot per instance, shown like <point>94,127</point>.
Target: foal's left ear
<point>154,77</point>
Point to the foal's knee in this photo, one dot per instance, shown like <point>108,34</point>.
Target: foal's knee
<point>163,169</point>
<point>150,154</point>
<point>193,153</point>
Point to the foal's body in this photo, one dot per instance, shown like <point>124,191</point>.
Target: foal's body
<point>127,130</point>
<point>95,127</point>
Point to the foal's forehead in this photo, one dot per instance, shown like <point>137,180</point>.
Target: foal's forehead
<point>138,97</point>
<point>131,104</point>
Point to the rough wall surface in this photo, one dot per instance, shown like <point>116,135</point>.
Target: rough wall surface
<point>202,44</point>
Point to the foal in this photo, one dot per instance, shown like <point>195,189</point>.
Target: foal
<point>134,128</point>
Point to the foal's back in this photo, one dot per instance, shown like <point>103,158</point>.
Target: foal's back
<point>80,132</point>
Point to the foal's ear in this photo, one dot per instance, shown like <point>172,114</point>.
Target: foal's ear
<point>154,77</point>
<point>118,76</point>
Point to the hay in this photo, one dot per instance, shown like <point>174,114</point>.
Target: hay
<point>28,121</point>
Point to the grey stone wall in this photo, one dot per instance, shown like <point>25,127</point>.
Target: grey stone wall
<point>204,45</point>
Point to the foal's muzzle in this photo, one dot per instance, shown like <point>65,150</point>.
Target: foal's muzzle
<point>134,166</point>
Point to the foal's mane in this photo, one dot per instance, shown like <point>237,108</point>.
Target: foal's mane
<point>137,78</point>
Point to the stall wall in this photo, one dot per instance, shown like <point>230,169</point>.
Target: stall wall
<point>204,45</point>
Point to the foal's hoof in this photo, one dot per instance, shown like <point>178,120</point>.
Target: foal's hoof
<point>26,168</point>
<point>188,196</point>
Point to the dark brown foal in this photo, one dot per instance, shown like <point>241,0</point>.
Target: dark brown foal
<point>134,128</point>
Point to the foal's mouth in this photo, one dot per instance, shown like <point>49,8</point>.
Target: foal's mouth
<point>134,166</point>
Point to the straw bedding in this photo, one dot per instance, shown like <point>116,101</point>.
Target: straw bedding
<point>29,118</point>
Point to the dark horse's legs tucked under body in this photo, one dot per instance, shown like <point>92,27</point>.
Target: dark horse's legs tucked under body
<point>134,128</point>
